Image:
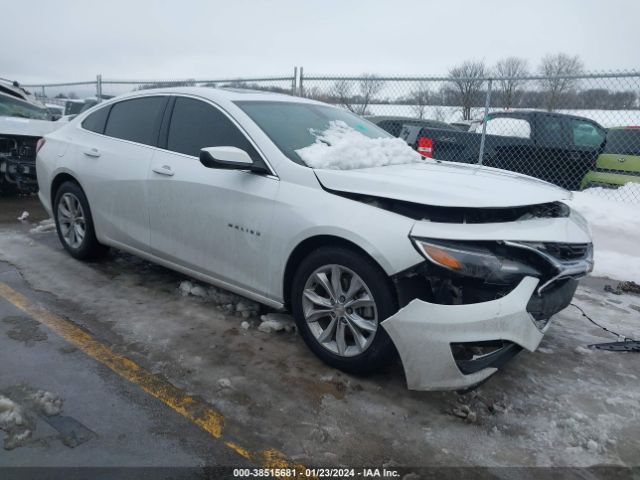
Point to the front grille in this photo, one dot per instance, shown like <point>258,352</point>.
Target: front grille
<point>567,251</point>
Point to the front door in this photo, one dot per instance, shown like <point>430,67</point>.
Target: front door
<point>213,221</point>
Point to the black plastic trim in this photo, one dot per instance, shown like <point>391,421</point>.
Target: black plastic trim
<point>495,359</point>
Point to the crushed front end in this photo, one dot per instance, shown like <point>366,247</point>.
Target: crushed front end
<point>484,292</point>
<point>18,164</point>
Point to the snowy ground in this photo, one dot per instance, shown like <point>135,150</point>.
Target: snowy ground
<point>564,405</point>
<point>616,230</point>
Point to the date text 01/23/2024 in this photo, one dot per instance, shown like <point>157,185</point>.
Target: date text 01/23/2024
<point>315,473</point>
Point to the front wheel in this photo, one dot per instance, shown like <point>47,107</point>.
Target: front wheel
<point>75,224</point>
<point>339,298</point>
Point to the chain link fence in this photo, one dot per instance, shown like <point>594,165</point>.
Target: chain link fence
<point>581,132</point>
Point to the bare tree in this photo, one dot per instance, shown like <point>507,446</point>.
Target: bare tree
<point>467,80</point>
<point>439,114</point>
<point>420,98</point>
<point>509,72</point>
<point>343,91</point>
<point>368,87</point>
<point>559,69</point>
<point>315,93</point>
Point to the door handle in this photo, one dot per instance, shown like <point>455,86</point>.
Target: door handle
<point>92,153</point>
<point>164,170</point>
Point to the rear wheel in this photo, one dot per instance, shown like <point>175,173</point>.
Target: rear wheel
<point>75,224</point>
<point>339,298</point>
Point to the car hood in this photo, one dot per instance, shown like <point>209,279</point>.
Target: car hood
<point>27,127</point>
<point>444,184</point>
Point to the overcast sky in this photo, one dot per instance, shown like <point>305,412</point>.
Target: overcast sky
<point>68,40</point>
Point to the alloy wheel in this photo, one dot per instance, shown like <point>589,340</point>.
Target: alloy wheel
<point>71,220</point>
<point>340,311</point>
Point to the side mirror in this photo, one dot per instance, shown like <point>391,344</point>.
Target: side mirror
<point>230,158</point>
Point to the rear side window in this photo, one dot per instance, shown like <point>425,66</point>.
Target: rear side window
<point>196,125</point>
<point>137,120</point>
<point>549,130</point>
<point>586,134</point>
<point>624,142</point>
<point>507,127</point>
<point>97,120</point>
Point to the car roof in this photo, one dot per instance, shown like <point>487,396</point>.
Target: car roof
<point>222,94</point>
<point>21,99</point>
<point>12,90</point>
<point>525,112</point>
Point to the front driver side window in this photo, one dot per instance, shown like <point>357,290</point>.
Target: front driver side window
<point>585,134</point>
<point>196,124</point>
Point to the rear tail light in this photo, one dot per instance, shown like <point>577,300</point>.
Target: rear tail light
<point>40,144</point>
<point>425,147</point>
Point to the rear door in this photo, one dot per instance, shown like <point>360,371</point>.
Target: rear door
<point>114,151</point>
<point>587,139</point>
<point>209,220</point>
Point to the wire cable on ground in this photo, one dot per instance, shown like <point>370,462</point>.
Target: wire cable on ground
<point>624,338</point>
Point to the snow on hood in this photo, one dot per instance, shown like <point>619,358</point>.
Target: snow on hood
<point>445,184</point>
<point>341,147</point>
<point>27,127</point>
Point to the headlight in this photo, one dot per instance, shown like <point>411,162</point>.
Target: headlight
<point>473,260</point>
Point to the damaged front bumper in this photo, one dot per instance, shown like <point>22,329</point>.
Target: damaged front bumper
<point>426,334</point>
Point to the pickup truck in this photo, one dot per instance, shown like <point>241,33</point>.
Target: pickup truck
<point>554,147</point>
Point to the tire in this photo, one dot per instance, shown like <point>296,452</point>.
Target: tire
<point>358,357</point>
<point>73,216</point>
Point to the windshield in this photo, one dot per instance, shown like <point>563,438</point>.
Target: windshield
<point>294,126</point>
<point>12,107</point>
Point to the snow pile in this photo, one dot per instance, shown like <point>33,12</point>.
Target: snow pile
<point>224,383</point>
<point>616,231</point>
<point>629,193</point>
<point>10,413</point>
<point>507,127</point>
<point>47,402</point>
<point>228,301</point>
<point>341,147</point>
<point>24,216</point>
<point>47,225</point>
<point>13,422</point>
<point>275,322</point>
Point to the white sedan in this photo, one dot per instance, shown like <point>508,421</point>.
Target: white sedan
<point>308,208</point>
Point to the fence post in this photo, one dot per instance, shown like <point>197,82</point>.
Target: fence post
<point>484,121</point>
<point>300,86</point>
<point>99,87</point>
<point>44,94</point>
<point>294,81</point>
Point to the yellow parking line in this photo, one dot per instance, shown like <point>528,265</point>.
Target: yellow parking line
<point>195,410</point>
